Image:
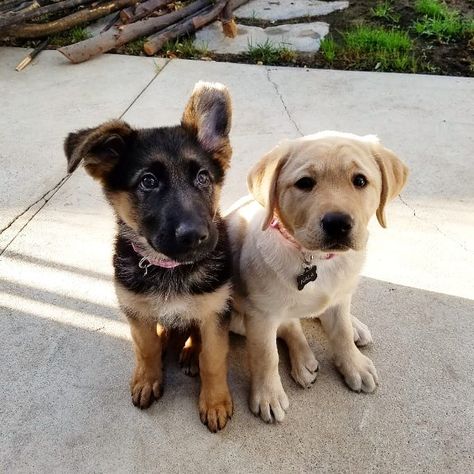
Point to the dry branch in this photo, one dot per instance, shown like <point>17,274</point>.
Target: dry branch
<point>229,27</point>
<point>116,37</point>
<point>190,25</point>
<point>15,18</point>
<point>27,60</point>
<point>38,30</point>
<point>157,41</point>
<point>14,5</point>
<point>142,10</point>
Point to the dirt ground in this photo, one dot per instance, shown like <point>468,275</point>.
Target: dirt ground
<point>455,58</point>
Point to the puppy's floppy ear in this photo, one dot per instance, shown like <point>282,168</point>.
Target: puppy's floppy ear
<point>263,177</point>
<point>100,148</point>
<point>208,116</point>
<point>394,176</point>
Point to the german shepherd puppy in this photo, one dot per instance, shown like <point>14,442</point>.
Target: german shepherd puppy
<point>172,256</point>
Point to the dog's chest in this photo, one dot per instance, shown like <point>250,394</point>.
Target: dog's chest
<point>173,310</point>
<point>329,286</point>
<point>313,299</point>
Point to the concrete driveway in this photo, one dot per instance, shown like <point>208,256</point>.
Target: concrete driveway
<point>65,352</point>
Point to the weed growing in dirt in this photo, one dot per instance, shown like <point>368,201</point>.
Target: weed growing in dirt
<point>135,47</point>
<point>367,47</point>
<point>184,48</point>
<point>384,11</point>
<point>441,22</point>
<point>329,49</point>
<point>270,53</point>
<point>366,39</point>
<point>431,8</point>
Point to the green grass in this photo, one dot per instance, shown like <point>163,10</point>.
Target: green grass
<point>366,47</point>
<point>270,53</point>
<point>135,47</point>
<point>441,22</point>
<point>384,11</point>
<point>184,48</point>
<point>431,8</point>
<point>367,39</point>
<point>74,35</point>
<point>328,49</point>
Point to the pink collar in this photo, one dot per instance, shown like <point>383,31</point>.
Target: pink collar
<point>146,261</point>
<point>277,225</point>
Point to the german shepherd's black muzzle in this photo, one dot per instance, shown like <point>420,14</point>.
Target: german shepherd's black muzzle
<point>185,233</point>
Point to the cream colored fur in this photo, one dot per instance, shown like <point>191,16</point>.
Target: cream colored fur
<point>266,299</point>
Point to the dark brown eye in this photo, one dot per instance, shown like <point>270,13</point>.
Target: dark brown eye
<point>359,181</point>
<point>305,184</point>
<point>203,179</point>
<point>148,182</point>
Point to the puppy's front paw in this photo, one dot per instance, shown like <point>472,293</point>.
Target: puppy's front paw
<point>269,401</point>
<point>145,388</point>
<point>359,372</point>
<point>304,370</point>
<point>362,335</point>
<point>215,410</point>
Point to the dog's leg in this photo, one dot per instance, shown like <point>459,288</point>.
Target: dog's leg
<point>189,357</point>
<point>358,370</point>
<point>362,335</point>
<point>304,366</point>
<point>215,401</point>
<point>267,397</point>
<point>146,383</point>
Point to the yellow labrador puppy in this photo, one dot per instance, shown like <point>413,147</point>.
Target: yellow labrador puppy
<point>298,247</point>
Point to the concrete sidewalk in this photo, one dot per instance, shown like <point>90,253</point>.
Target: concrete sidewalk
<point>65,355</point>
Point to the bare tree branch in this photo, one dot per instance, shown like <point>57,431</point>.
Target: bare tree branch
<point>38,30</point>
<point>116,37</point>
<point>15,18</point>
<point>190,25</point>
<point>142,10</point>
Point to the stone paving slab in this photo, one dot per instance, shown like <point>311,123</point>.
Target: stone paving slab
<point>40,104</point>
<point>65,352</point>
<point>301,38</point>
<point>287,9</point>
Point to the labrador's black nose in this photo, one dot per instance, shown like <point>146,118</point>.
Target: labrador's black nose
<point>190,235</point>
<point>337,225</point>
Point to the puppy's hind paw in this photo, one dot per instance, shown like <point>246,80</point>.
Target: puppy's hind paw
<point>189,360</point>
<point>359,373</point>
<point>305,372</point>
<point>362,335</point>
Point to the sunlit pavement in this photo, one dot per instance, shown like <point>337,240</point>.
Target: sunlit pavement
<point>65,355</point>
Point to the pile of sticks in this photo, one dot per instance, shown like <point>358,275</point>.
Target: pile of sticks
<point>158,20</point>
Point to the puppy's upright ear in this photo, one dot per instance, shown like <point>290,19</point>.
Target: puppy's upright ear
<point>208,116</point>
<point>263,177</point>
<point>394,177</point>
<point>100,148</point>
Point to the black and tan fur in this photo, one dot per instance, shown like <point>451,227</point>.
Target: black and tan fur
<point>172,214</point>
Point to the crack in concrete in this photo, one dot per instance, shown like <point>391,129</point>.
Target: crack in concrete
<point>275,86</point>
<point>46,197</point>
<point>145,88</point>
<point>433,225</point>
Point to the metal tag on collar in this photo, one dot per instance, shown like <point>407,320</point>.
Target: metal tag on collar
<point>144,263</point>
<point>309,273</point>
